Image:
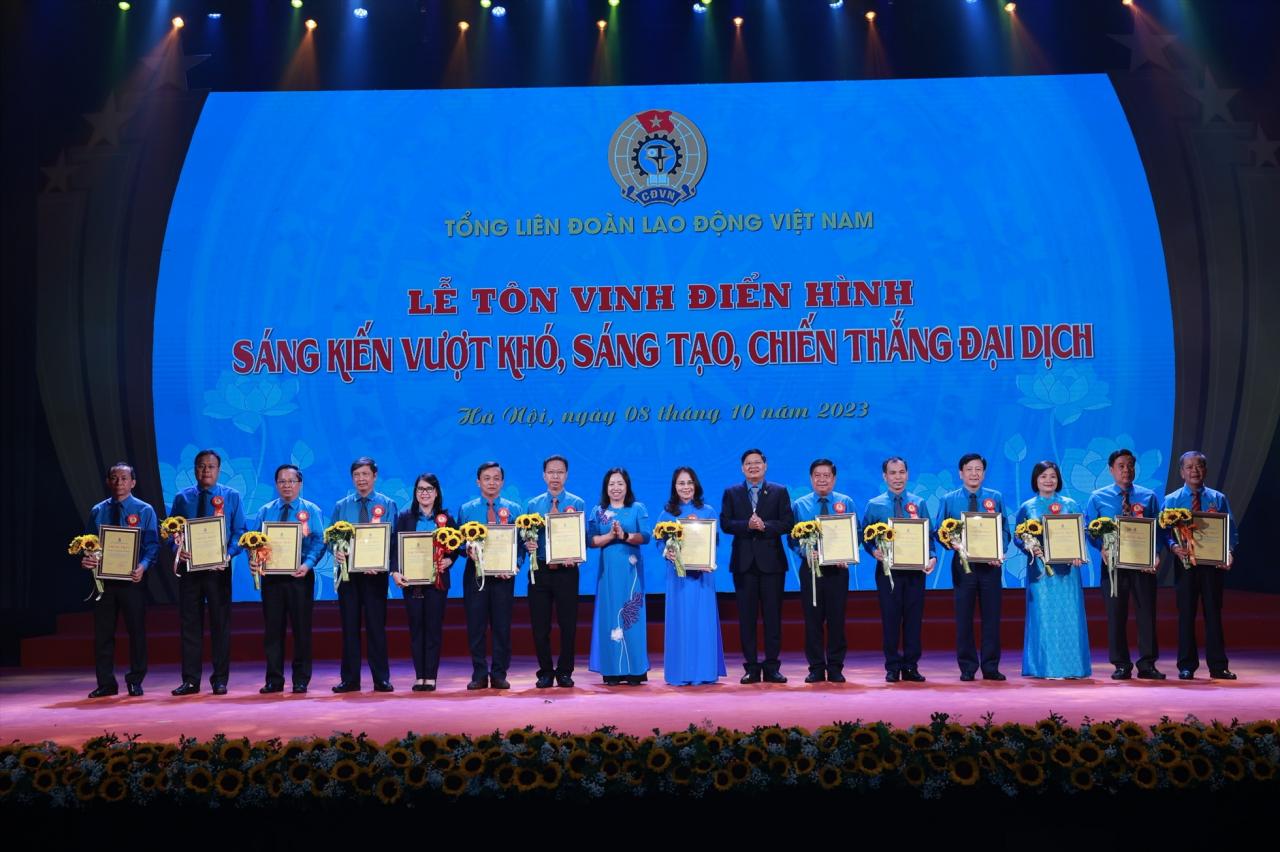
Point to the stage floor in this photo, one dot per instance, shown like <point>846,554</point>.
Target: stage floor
<point>39,704</point>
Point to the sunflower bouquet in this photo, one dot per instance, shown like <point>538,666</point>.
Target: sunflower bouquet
<point>882,535</point>
<point>172,527</point>
<point>445,541</point>
<point>88,545</point>
<point>338,537</point>
<point>474,533</point>
<point>1182,525</point>
<point>672,532</point>
<point>1108,531</point>
<point>1031,534</point>
<point>949,534</point>
<point>806,535</point>
<point>259,551</point>
<point>529,526</point>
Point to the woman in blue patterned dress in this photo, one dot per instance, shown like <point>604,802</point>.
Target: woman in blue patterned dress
<point>619,526</point>
<point>1056,644</point>
<point>694,650</point>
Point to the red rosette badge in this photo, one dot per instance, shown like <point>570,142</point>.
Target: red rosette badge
<point>217,506</point>
<point>303,517</point>
<point>913,510</point>
<point>988,505</point>
<point>132,520</point>
<point>1055,508</point>
<point>839,507</point>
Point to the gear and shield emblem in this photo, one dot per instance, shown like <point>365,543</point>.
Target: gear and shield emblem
<point>658,157</point>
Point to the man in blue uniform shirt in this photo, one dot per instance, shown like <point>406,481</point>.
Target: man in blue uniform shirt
<point>1125,499</point>
<point>488,599</point>
<point>121,597</point>
<point>293,595</point>
<point>983,585</point>
<point>833,585</point>
<point>902,595</point>
<point>363,592</point>
<point>209,587</point>
<point>1197,583</point>
<point>553,584</point>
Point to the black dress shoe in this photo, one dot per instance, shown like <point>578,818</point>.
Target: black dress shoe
<point>750,677</point>
<point>478,683</point>
<point>1150,674</point>
<point>891,677</point>
<point>815,677</point>
<point>219,689</point>
<point>299,689</point>
<point>270,688</point>
<point>499,682</point>
<point>775,677</point>
<point>1186,674</point>
<point>912,675</point>
<point>419,687</point>
<point>135,689</point>
<point>966,676</point>
<point>993,676</point>
<point>564,680</point>
<point>187,688</point>
<point>1121,674</point>
<point>429,686</point>
<point>836,677</point>
<point>1222,674</point>
<point>544,681</point>
<point>635,680</point>
<point>343,686</point>
<point>383,686</point>
<point>105,692</point>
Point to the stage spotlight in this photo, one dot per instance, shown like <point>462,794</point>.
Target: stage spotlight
<point>178,23</point>
<point>463,26</point>
<point>871,16</point>
<point>836,4</point>
<point>297,4</point>
<point>485,4</point>
<point>601,25</point>
<point>614,2</point>
<point>360,12</point>
<point>123,6</point>
<point>698,8</point>
<point>311,23</point>
<point>1127,2</point>
<point>215,16</point>
<point>737,22</point>
<point>1010,7</point>
<point>499,11</point>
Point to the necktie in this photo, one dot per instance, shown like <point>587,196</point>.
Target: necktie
<point>1125,506</point>
<point>492,516</point>
<point>203,508</point>
<point>897,507</point>
<point>555,504</point>
<point>364,510</point>
<point>822,506</point>
<point>117,514</point>
<point>755,497</point>
<point>284,513</point>
<point>1195,501</point>
<point>973,502</point>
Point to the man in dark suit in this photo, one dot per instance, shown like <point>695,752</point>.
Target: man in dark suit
<point>758,514</point>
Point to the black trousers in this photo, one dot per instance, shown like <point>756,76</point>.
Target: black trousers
<point>130,600</point>
<point>901,615</point>
<point>364,595</point>
<point>426,628</point>
<point>1195,585</point>
<point>198,590</point>
<point>291,599</point>
<point>556,588</point>
<point>488,610</point>
<point>759,593</point>
<point>833,593</point>
<point>983,588</point>
<point>1141,585</point>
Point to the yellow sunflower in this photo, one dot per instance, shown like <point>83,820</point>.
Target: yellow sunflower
<point>610,768</point>
<point>1263,728</point>
<point>1007,757</point>
<point>830,777</point>
<point>864,737</point>
<point>613,746</point>
<point>526,778</point>
<point>828,741</point>
<point>234,751</point>
<point>471,764</point>
<point>416,776</point>
<point>199,780</point>
<point>85,790</point>
<point>914,774</point>
<point>442,763</point>
<point>1062,755</point>
<point>388,790</point>
<point>1128,730</point>
<point>399,757</point>
<point>1089,754</point>
<point>1133,752</point>
<point>228,783</point>
<point>804,764</point>
<point>1179,773</point>
<point>937,760</point>
<point>275,786</point>
<point>739,770</point>
<point>773,736</point>
<point>964,770</point>
<point>455,783</point>
<point>722,780</point>
<point>869,764</point>
<point>1029,774</point>
<point>753,755</point>
<point>779,766</point>
<point>1201,767</point>
<point>299,772</point>
<point>659,760</point>
<point>1082,778</point>
<point>344,770</point>
<point>1263,769</point>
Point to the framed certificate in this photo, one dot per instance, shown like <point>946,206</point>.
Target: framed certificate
<point>370,548</point>
<point>838,544</point>
<point>499,554</point>
<point>206,541</point>
<point>121,550</point>
<point>1063,538</point>
<point>286,547</point>
<point>983,536</point>
<point>910,543</point>
<point>566,538</point>
<point>698,550</point>
<point>417,557</point>
<point>1212,537</point>
<point>1137,543</point>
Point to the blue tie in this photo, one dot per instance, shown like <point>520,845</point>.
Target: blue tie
<point>822,505</point>
<point>755,497</point>
<point>284,513</point>
<point>364,510</point>
<point>897,507</point>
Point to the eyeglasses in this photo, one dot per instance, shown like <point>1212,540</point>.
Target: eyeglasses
<point>423,489</point>
<point>287,481</point>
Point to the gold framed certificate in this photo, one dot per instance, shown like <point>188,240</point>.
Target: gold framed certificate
<point>1137,543</point>
<point>838,544</point>
<point>565,537</point>
<point>982,537</point>
<point>206,541</point>
<point>698,544</point>
<point>499,550</point>
<point>1212,537</point>
<point>121,550</point>
<point>1063,538</point>
<point>286,547</point>
<point>910,543</point>
<point>417,557</point>
<point>370,548</point>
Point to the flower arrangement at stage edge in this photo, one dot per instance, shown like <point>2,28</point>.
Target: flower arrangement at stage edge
<point>338,537</point>
<point>672,532</point>
<point>1183,526</point>
<point>88,545</point>
<point>882,534</point>
<point>259,552</point>
<point>949,534</point>
<point>528,526</point>
<point>1106,529</point>
<point>1031,533</point>
<point>806,535</point>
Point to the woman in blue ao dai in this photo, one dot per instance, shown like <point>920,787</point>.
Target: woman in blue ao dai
<point>618,526</point>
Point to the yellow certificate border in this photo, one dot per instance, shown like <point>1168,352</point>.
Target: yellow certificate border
<point>701,564</point>
<point>401,538</point>
<point>135,533</point>
<point>267,527</point>
<point>221,521</point>
<point>855,538</point>
<point>895,524</point>
<point>1077,520</point>
<point>1150,524</point>
<point>503,530</point>
<point>579,520</point>
<point>1212,560</point>
<point>386,549</point>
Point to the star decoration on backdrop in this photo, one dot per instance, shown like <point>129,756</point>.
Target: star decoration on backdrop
<point>107,123</point>
<point>169,68</point>
<point>1264,150</point>
<point>1213,99</point>
<point>59,174</point>
<point>1145,46</point>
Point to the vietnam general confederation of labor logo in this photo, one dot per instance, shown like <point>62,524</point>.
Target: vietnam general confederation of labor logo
<point>658,157</point>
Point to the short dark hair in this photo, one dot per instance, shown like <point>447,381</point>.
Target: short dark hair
<point>204,453</point>
<point>437,506</point>
<point>132,473</point>
<point>819,463</point>
<point>549,459</point>
<point>755,450</point>
<point>1041,467</point>
<point>364,461</point>
<point>1182,459</point>
<point>292,467</point>
<point>968,457</point>
<point>1111,459</point>
<point>486,465</point>
<point>630,496</point>
<point>884,465</point>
